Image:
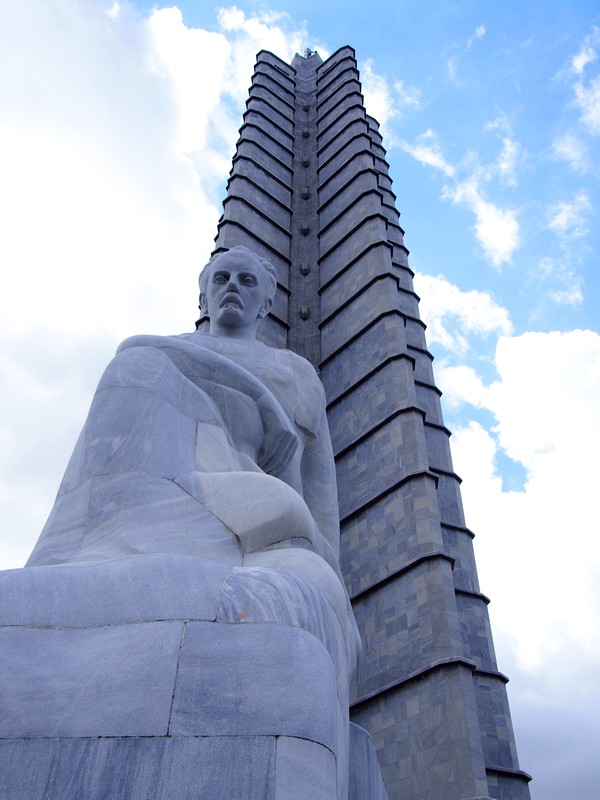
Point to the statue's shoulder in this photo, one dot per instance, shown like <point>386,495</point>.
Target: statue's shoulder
<point>301,366</point>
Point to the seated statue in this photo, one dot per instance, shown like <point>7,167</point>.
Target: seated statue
<point>207,444</point>
<point>184,600</point>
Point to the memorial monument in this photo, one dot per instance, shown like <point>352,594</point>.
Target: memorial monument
<point>183,628</point>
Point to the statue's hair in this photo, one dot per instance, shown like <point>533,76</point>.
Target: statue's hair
<point>268,269</point>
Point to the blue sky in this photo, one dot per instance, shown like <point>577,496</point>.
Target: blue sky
<point>118,125</point>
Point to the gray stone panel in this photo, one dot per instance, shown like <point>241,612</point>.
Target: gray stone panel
<point>284,688</point>
<point>26,768</point>
<point>366,782</point>
<point>389,534</point>
<point>336,159</point>
<point>279,86</point>
<point>390,455</point>
<point>459,544</point>
<point>335,138</point>
<point>304,770</point>
<point>407,624</point>
<point>450,500</point>
<point>347,102</point>
<point>376,344</point>
<point>261,91</point>
<point>282,67</point>
<point>261,103</point>
<point>494,716</point>
<point>352,318</point>
<point>331,81</point>
<point>239,210</point>
<point>428,398</point>
<point>415,333</point>
<point>475,625</point>
<point>374,401</point>
<point>346,84</point>
<point>219,768</point>
<point>270,195</point>
<point>438,445</point>
<point>359,161</point>
<point>425,732</point>
<point>56,682</point>
<point>337,205</point>
<point>342,224</point>
<point>137,588</point>
<point>280,142</point>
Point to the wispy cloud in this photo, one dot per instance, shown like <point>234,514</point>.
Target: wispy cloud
<point>496,229</point>
<point>571,217</point>
<point>586,87</point>
<point>427,151</point>
<point>477,34</point>
<point>571,148</point>
<point>386,100</point>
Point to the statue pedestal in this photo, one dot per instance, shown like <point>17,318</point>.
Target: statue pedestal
<point>170,676</point>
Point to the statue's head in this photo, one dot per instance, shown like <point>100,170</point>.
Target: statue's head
<point>236,291</point>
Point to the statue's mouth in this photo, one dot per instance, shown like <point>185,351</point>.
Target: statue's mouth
<point>231,300</point>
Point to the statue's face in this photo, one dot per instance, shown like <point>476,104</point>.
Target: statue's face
<point>236,295</point>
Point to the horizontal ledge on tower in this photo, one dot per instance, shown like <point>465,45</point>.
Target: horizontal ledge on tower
<point>435,666</point>
<point>388,490</point>
<point>410,565</point>
<point>446,473</point>
<point>345,392</point>
<point>513,773</point>
<point>471,593</point>
<point>378,425</point>
<point>459,528</point>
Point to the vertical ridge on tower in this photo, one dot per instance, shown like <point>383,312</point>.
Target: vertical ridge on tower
<point>310,190</point>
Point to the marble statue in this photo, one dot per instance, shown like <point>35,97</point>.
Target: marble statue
<point>206,444</point>
<point>184,605</point>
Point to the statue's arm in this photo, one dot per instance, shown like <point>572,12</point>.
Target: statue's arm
<point>206,369</point>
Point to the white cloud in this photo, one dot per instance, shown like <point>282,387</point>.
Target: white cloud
<point>496,229</point>
<point>570,148</point>
<point>571,218</point>
<point>559,283</point>
<point>588,52</point>
<point>451,314</point>
<point>114,148</point>
<point>407,95</point>
<point>507,161</point>
<point>546,402</point>
<point>379,100</point>
<point>587,89</point>
<point>478,33</point>
<point>385,100</point>
<point>427,151</point>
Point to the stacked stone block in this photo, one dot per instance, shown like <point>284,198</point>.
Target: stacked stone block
<point>310,190</point>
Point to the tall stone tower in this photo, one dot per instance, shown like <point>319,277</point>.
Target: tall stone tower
<point>310,191</point>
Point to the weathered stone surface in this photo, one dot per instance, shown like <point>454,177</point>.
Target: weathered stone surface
<point>304,770</point>
<point>161,768</point>
<point>142,588</point>
<point>365,781</point>
<point>112,681</point>
<point>256,679</point>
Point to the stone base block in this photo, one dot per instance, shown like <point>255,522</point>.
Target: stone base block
<point>167,768</point>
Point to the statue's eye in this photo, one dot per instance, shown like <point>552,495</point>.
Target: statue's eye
<point>249,280</point>
<point>219,279</point>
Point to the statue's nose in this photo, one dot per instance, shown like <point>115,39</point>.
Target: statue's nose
<point>232,286</point>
